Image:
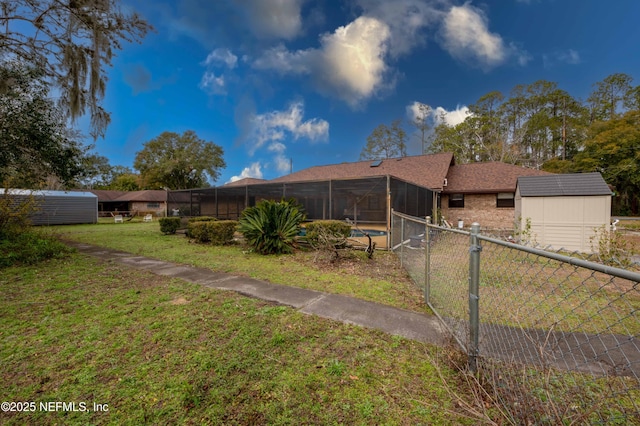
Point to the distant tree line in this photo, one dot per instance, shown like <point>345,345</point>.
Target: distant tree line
<point>169,161</point>
<point>543,127</point>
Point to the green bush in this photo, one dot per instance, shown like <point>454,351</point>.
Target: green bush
<point>197,219</point>
<point>271,227</point>
<point>169,225</point>
<point>30,247</point>
<point>202,219</point>
<point>15,212</point>
<point>214,232</point>
<point>335,230</point>
<point>198,231</point>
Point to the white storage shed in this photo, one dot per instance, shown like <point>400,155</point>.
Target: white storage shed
<point>59,207</point>
<point>564,210</point>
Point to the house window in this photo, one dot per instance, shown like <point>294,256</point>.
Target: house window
<point>153,205</point>
<point>456,201</point>
<point>505,199</point>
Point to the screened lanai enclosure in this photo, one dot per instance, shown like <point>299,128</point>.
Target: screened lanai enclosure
<point>366,202</point>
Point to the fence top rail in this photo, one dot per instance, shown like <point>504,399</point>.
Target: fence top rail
<point>610,270</point>
<point>454,230</point>
<point>408,217</point>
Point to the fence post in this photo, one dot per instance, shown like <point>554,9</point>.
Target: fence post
<point>427,258</point>
<point>474,296</point>
<point>401,241</point>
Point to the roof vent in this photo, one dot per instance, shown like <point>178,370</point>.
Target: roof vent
<point>375,163</point>
<point>445,182</point>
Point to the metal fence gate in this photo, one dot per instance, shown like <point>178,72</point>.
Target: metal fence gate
<point>551,328</point>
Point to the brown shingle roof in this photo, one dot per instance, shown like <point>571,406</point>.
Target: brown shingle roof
<point>427,171</point>
<point>490,177</point>
<point>245,181</point>
<point>149,195</point>
<point>107,194</point>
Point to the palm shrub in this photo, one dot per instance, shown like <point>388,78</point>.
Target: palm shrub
<point>271,227</point>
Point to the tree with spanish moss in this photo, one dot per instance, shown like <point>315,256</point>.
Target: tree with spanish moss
<point>35,142</point>
<point>72,43</point>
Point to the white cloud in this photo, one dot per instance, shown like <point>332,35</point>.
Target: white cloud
<point>350,63</point>
<point>277,147</point>
<point>439,114</point>
<point>274,18</point>
<point>407,20</point>
<point>523,56</point>
<point>274,126</point>
<point>570,56</point>
<point>221,55</point>
<point>280,59</point>
<point>415,110</point>
<point>212,83</point>
<point>254,170</point>
<point>282,163</point>
<point>452,117</point>
<point>466,37</point>
<point>353,58</point>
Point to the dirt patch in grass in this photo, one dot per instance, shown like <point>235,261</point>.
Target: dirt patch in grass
<point>633,237</point>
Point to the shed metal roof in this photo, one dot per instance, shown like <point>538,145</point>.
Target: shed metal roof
<point>48,193</point>
<point>574,184</point>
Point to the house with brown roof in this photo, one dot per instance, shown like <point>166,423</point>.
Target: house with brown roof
<point>365,192</point>
<point>131,202</point>
<point>483,193</point>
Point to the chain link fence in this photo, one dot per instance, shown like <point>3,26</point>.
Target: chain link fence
<point>552,335</point>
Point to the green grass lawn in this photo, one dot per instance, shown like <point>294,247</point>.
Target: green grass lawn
<point>162,351</point>
<point>380,279</point>
<point>155,350</point>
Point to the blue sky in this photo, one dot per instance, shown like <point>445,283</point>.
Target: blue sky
<point>281,82</point>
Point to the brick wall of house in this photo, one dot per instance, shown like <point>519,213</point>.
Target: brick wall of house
<point>143,208</point>
<point>479,208</point>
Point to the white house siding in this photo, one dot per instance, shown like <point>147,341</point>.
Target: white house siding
<point>565,222</point>
<point>58,207</point>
